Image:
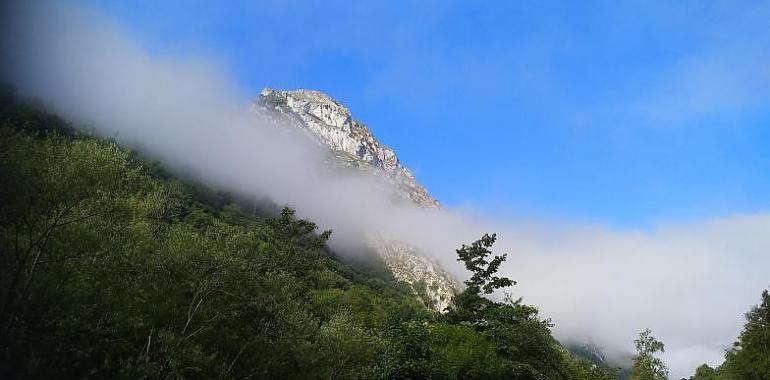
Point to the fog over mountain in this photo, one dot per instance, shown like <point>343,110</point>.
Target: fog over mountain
<point>690,283</point>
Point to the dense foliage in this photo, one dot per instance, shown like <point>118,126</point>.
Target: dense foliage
<point>112,268</point>
<point>749,358</point>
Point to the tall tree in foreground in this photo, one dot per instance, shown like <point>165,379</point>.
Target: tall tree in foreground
<point>521,339</point>
<point>471,305</point>
<point>646,365</point>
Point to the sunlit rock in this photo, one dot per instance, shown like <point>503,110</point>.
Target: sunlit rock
<point>354,146</point>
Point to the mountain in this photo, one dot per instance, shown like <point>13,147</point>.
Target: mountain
<point>330,124</point>
<point>113,267</point>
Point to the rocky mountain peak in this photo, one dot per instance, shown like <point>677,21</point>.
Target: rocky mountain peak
<point>331,124</point>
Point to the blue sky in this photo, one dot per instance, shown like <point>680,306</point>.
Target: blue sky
<point>622,113</point>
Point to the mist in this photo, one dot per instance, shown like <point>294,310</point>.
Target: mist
<point>689,282</point>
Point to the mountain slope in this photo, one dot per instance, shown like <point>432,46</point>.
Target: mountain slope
<point>113,268</point>
<point>330,124</point>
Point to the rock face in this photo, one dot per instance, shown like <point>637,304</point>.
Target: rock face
<point>330,124</point>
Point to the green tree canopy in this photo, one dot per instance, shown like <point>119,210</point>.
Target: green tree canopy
<point>749,359</point>
<point>646,365</point>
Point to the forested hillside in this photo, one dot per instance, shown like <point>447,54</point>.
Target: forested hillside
<point>113,268</point>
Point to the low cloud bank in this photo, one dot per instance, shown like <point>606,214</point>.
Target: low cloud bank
<point>689,283</point>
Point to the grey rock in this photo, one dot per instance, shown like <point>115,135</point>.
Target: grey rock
<point>353,145</point>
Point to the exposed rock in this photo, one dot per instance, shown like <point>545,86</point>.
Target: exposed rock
<point>432,284</point>
<point>329,123</point>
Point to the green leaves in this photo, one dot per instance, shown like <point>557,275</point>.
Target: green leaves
<point>646,365</point>
<point>522,343</point>
<point>475,258</point>
<point>750,357</point>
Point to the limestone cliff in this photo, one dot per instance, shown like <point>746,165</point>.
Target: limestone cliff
<point>353,145</point>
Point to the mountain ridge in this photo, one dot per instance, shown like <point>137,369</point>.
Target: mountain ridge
<point>330,124</point>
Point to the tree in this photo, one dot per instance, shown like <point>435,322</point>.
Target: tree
<point>475,258</point>
<point>470,306</point>
<point>646,365</point>
<point>749,359</point>
<point>704,372</point>
<point>521,339</point>
<point>54,185</point>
